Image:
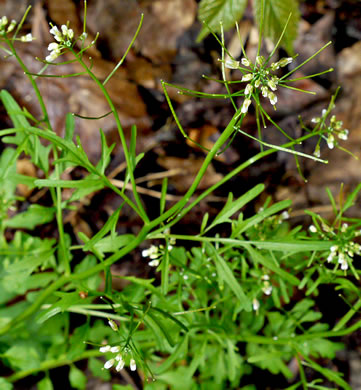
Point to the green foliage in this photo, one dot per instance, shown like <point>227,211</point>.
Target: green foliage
<point>271,15</point>
<point>215,12</point>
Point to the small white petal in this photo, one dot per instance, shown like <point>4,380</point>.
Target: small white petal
<point>55,31</point>
<point>114,349</point>
<point>105,349</point>
<point>260,60</point>
<point>331,141</point>
<point>27,38</point>
<point>285,215</point>
<point>133,365</point>
<point>272,85</point>
<point>64,30</point>
<point>231,64</point>
<point>53,46</point>
<point>52,56</point>
<point>120,365</point>
<point>113,325</point>
<point>344,265</point>
<point>247,77</point>
<point>264,91</point>
<point>255,304</point>
<point>108,364</point>
<point>245,106</point>
<point>285,61</point>
<point>145,253</point>
<point>312,229</point>
<point>249,89</point>
<point>267,290</point>
<point>272,98</point>
<point>154,263</point>
<point>245,62</point>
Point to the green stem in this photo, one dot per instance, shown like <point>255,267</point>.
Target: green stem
<point>132,245</point>
<point>138,201</point>
<point>347,316</point>
<point>226,178</point>
<point>56,195</point>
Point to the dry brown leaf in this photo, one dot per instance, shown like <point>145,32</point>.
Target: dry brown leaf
<point>190,167</point>
<point>162,26</point>
<point>25,167</point>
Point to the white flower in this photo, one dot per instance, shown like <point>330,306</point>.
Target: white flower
<point>120,365</point>
<point>231,64</point>
<point>113,325</point>
<point>344,265</point>
<point>267,288</point>
<point>64,30</point>
<point>245,62</point>
<point>331,141</point>
<point>264,90</point>
<point>133,365</point>
<point>249,89</point>
<point>247,77</point>
<point>285,61</point>
<point>105,349</point>
<point>245,106</point>
<point>57,34</point>
<point>154,263</point>
<point>272,85</point>
<point>343,134</point>
<point>26,38</point>
<point>114,349</point>
<point>272,98</point>
<point>260,60</point>
<point>108,364</point>
<point>11,26</point>
<point>312,229</point>
<point>255,304</point>
<point>257,83</point>
<point>3,22</point>
<point>53,46</point>
<point>274,66</point>
<point>317,152</point>
<point>152,252</point>
<point>52,56</point>
<point>285,215</point>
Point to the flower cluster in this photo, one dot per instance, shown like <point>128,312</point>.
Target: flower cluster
<point>64,40</point>
<point>120,355</point>
<point>334,128</point>
<point>343,252</point>
<point>267,287</point>
<point>3,23</point>
<point>6,28</point>
<point>155,253</point>
<point>259,76</point>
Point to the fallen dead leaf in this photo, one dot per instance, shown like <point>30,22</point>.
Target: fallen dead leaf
<point>190,167</point>
<point>162,26</point>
